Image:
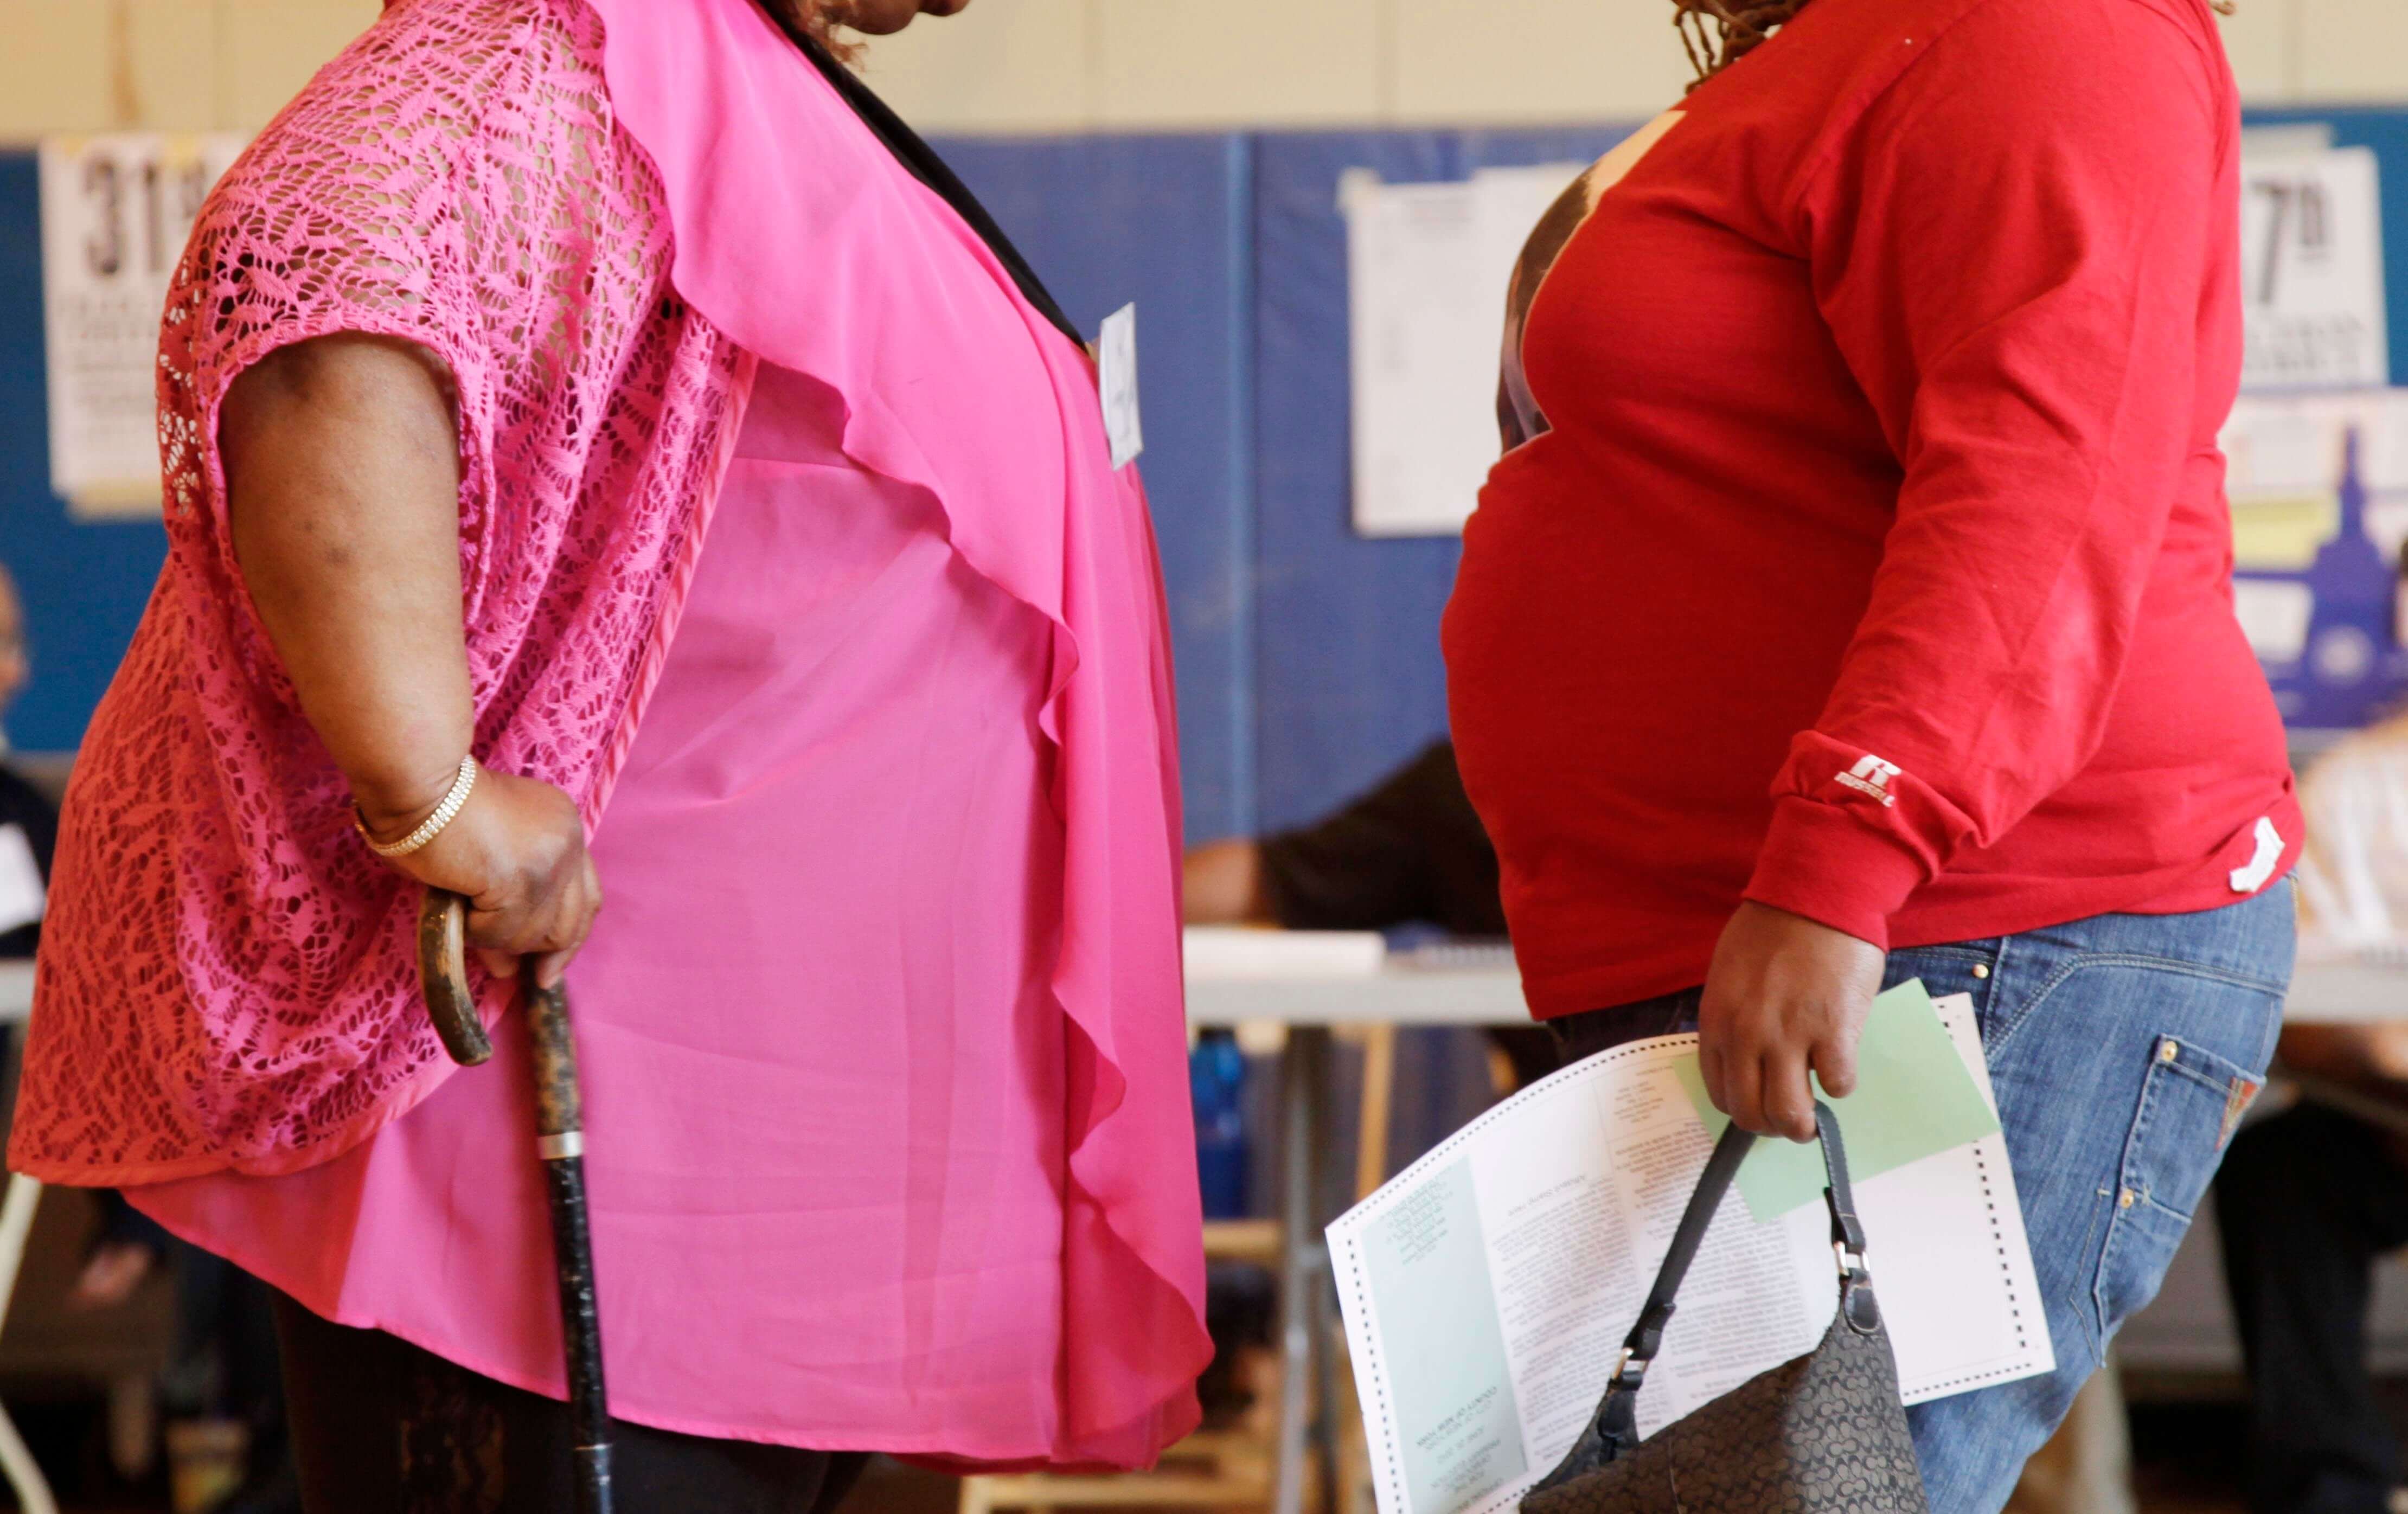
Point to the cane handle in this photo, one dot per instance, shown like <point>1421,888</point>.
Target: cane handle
<point>443,977</point>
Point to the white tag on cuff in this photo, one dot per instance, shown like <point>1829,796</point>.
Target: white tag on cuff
<point>1116,377</point>
<point>2262,867</point>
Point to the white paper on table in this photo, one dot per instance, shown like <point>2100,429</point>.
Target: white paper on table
<point>23,898</point>
<point>1428,266</point>
<point>1487,1288</point>
<point>1246,952</point>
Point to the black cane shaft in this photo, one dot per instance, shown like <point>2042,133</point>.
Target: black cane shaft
<point>561,1140</point>
<point>580,1326</point>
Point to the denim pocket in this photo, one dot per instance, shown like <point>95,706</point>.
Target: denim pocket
<point>1969,968</point>
<point>2192,1101</point>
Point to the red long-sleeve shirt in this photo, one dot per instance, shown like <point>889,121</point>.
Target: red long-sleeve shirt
<point>1872,558</point>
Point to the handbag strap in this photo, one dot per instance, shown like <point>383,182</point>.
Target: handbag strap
<point>1616,1422</point>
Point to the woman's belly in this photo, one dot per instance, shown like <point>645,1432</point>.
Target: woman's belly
<point>818,997</point>
<point>822,1064</point>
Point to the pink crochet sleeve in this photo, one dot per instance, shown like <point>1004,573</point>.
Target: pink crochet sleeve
<point>339,220</point>
<point>227,976</point>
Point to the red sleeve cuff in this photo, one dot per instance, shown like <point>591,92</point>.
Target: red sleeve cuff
<point>1822,862</point>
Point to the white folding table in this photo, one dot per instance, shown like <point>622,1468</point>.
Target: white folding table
<point>1444,986</point>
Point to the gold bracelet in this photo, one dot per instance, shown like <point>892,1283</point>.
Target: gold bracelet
<point>429,828</point>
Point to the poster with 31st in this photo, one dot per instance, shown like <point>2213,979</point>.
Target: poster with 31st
<point>116,210</point>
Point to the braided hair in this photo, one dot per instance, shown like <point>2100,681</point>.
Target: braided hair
<point>1717,33</point>
<point>814,19</point>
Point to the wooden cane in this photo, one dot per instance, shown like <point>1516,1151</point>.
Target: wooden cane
<point>560,1140</point>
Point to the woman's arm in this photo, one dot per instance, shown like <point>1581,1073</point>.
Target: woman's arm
<point>342,483</point>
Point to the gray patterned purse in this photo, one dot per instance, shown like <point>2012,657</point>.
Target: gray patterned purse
<point>1820,1435</point>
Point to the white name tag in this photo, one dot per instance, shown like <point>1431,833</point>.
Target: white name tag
<point>22,896</point>
<point>1116,377</point>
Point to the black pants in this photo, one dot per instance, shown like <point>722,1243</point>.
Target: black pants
<point>382,1427</point>
<point>2306,1202</point>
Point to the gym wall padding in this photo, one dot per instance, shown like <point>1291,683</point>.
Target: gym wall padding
<point>1308,656</point>
<point>1162,221</point>
<point>1350,681</point>
<point>84,583</point>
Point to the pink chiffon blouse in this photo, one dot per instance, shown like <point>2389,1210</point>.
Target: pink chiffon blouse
<point>795,552</point>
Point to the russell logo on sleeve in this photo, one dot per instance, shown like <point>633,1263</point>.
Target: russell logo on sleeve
<point>1870,776</point>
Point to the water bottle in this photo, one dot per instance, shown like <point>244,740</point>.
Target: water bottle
<point>1216,1081</point>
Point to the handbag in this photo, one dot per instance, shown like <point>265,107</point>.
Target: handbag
<point>1820,1434</point>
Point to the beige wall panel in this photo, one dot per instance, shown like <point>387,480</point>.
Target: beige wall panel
<point>2353,49</point>
<point>2262,39</point>
<point>56,70</point>
<point>1002,65</point>
<point>1534,60</point>
<point>172,63</point>
<point>1214,62</point>
<point>268,49</point>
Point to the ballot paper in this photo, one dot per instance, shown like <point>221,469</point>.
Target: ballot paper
<point>1486,1290</point>
<point>1915,1096</point>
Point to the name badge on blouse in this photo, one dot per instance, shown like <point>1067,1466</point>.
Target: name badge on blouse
<point>1116,377</point>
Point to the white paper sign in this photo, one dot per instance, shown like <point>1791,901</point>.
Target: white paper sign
<point>2312,271</point>
<point>1428,266</point>
<point>23,898</point>
<point>116,210</point>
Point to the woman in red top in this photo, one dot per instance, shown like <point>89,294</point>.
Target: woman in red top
<point>1854,605</point>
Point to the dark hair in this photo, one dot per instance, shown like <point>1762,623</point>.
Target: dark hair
<point>1719,32</point>
<point>809,18</point>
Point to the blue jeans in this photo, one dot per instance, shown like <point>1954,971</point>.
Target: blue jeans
<point>2112,1135</point>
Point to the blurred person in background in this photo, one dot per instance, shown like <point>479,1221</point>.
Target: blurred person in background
<point>1407,850</point>
<point>222,1363</point>
<point>29,821</point>
<point>2310,1198</point>
<point>1410,848</point>
<point>590,417</point>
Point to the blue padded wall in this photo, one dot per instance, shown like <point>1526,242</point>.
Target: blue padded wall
<point>1350,681</point>
<point>1158,220</point>
<point>84,584</point>
<point>1162,221</point>
<point>1308,656</point>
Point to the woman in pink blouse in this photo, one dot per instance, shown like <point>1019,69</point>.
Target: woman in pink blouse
<point>602,424</point>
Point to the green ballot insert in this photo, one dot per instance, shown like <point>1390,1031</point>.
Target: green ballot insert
<point>1914,1097</point>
